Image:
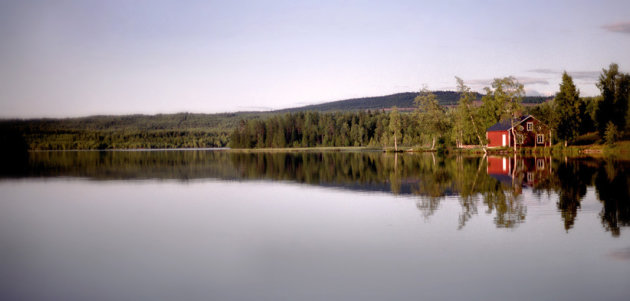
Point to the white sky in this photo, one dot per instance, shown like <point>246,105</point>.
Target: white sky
<point>75,58</point>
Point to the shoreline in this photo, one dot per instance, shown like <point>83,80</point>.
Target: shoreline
<point>621,149</point>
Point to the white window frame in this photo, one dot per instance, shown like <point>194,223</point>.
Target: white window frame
<point>540,139</point>
<point>530,126</point>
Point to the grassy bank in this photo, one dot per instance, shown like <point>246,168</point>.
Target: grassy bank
<point>619,149</point>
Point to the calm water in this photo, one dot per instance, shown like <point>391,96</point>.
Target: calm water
<point>215,225</point>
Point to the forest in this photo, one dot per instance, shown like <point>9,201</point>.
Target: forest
<point>573,119</point>
<point>438,120</point>
<point>182,130</point>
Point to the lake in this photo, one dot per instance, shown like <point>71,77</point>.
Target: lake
<point>224,225</point>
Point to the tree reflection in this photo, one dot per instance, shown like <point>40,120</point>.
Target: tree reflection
<point>493,183</point>
<point>509,210</point>
<point>434,183</point>
<point>468,197</point>
<point>613,189</point>
<point>572,179</point>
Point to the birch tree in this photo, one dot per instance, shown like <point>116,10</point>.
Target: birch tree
<point>465,113</point>
<point>431,115</point>
<point>394,126</point>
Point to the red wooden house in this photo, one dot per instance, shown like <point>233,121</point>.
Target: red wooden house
<point>529,131</point>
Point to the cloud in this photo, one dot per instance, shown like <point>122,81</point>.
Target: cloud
<point>620,27</point>
<point>531,92</point>
<point>532,81</point>
<point>577,75</point>
<point>543,71</point>
<point>479,82</point>
<point>585,75</point>
<point>522,80</point>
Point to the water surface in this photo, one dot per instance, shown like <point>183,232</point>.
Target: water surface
<point>216,225</point>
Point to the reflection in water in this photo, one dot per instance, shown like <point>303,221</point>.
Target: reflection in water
<point>573,178</point>
<point>613,190</point>
<point>495,182</point>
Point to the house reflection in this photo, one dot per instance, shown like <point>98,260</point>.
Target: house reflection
<point>519,172</point>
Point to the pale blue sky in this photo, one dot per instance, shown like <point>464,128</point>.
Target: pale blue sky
<point>74,58</point>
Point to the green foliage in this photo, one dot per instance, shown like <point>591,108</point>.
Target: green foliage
<point>466,129</point>
<point>612,134</point>
<point>615,89</point>
<point>431,116</point>
<point>394,126</point>
<point>545,112</point>
<point>132,131</point>
<point>314,129</point>
<point>501,102</point>
<point>567,110</point>
<point>588,108</point>
<point>508,94</point>
<point>569,116</point>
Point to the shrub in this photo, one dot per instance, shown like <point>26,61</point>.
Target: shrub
<point>611,135</point>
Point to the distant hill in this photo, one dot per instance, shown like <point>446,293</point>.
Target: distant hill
<point>180,129</point>
<point>401,100</point>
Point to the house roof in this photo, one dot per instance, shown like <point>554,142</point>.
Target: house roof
<point>505,124</point>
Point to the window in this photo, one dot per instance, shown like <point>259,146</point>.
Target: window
<point>540,139</point>
<point>530,126</point>
<point>540,164</point>
<point>530,177</point>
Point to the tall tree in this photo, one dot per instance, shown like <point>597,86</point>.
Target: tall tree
<point>503,102</point>
<point>545,113</point>
<point>465,113</point>
<point>615,88</point>
<point>394,126</point>
<point>567,110</point>
<point>431,115</point>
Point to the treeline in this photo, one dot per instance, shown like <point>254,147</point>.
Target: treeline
<point>182,130</point>
<point>310,129</point>
<point>433,125</point>
<point>125,139</point>
<point>573,120</point>
<point>606,116</point>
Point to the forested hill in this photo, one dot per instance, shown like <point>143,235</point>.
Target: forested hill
<point>400,100</point>
<point>176,130</point>
<point>127,131</point>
